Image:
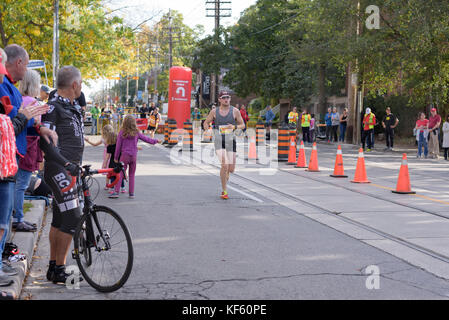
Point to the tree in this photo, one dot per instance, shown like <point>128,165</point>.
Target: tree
<point>148,51</point>
<point>89,36</point>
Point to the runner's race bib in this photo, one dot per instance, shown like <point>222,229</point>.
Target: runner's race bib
<point>225,130</point>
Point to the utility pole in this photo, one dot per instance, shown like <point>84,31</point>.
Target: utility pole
<point>355,97</point>
<point>171,39</point>
<point>217,9</point>
<point>55,40</point>
<point>156,66</point>
<point>170,55</point>
<point>127,89</point>
<point>137,75</point>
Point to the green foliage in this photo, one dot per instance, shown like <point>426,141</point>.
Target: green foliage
<point>89,36</point>
<point>277,47</point>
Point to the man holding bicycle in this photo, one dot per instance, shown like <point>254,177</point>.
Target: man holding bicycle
<point>64,117</point>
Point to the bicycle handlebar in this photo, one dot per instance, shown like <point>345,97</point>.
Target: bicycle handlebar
<point>110,171</point>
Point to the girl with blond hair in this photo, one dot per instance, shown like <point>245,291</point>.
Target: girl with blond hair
<point>126,151</point>
<point>108,136</point>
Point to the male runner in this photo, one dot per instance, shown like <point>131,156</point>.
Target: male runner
<point>226,119</point>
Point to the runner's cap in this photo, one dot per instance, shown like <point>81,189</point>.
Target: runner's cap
<point>223,94</point>
<point>433,110</point>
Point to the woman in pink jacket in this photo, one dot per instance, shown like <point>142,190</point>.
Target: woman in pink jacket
<point>126,151</point>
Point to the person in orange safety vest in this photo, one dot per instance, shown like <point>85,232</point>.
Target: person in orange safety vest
<point>369,121</point>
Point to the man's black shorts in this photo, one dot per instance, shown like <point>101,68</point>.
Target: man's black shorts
<point>226,142</point>
<point>66,206</point>
<point>151,128</point>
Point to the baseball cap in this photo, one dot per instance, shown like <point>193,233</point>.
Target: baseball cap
<point>224,94</point>
<point>2,67</point>
<point>368,110</point>
<point>46,89</point>
<point>433,110</point>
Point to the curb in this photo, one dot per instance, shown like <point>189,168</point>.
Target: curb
<point>26,242</point>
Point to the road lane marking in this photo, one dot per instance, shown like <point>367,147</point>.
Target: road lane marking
<point>416,195</point>
<point>245,194</point>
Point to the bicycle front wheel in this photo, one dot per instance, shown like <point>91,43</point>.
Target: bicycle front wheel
<point>105,235</point>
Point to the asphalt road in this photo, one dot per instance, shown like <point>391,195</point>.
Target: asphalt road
<point>190,244</point>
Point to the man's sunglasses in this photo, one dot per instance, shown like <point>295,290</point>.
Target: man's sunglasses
<point>225,97</point>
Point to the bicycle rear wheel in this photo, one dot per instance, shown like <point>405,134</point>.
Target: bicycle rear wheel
<point>110,261</point>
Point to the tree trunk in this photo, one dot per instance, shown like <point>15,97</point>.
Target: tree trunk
<point>5,39</point>
<point>322,105</point>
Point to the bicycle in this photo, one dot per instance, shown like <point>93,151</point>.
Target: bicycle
<point>95,242</point>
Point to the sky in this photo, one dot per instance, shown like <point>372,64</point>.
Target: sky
<point>194,12</point>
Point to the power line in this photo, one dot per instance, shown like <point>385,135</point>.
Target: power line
<point>276,24</point>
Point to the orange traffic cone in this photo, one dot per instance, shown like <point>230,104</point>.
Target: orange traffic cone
<point>302,163</point>
<point>292,151</point>
<point>252,154</point>
<point>403,185</point>
<point>339,172</point>
<point>313,163</point>
<point>360,171</point>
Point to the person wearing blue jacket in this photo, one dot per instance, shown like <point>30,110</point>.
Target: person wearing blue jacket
<point>16,66</point>
<point>328,121</point>
<point>269,117</point>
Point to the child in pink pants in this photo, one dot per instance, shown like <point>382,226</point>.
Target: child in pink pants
<point>126,151</point>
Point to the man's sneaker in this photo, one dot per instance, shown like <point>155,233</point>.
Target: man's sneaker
<point>5,280</point>
<point>224,195</point>
<point>131,195</point>
<point>24,227</point>
<point>60,276</point>
<point>51,271</point>
<point>14,224</point>
<point>8,269</point>
<point>123,190</point>
<point>114,195</point>
<point>368,150</point>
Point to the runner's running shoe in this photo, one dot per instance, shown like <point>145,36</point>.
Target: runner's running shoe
<point>224,195</point>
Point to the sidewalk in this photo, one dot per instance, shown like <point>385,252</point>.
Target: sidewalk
<point>26,242</point>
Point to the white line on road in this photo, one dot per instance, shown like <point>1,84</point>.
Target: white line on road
<point>246,194</point>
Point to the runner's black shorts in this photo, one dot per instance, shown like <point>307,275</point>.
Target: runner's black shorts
<point>66,206</point>
<point>151,128</point>
<point>227,142</point>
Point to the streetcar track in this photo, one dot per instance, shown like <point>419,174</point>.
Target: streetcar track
<point>367,194</point>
